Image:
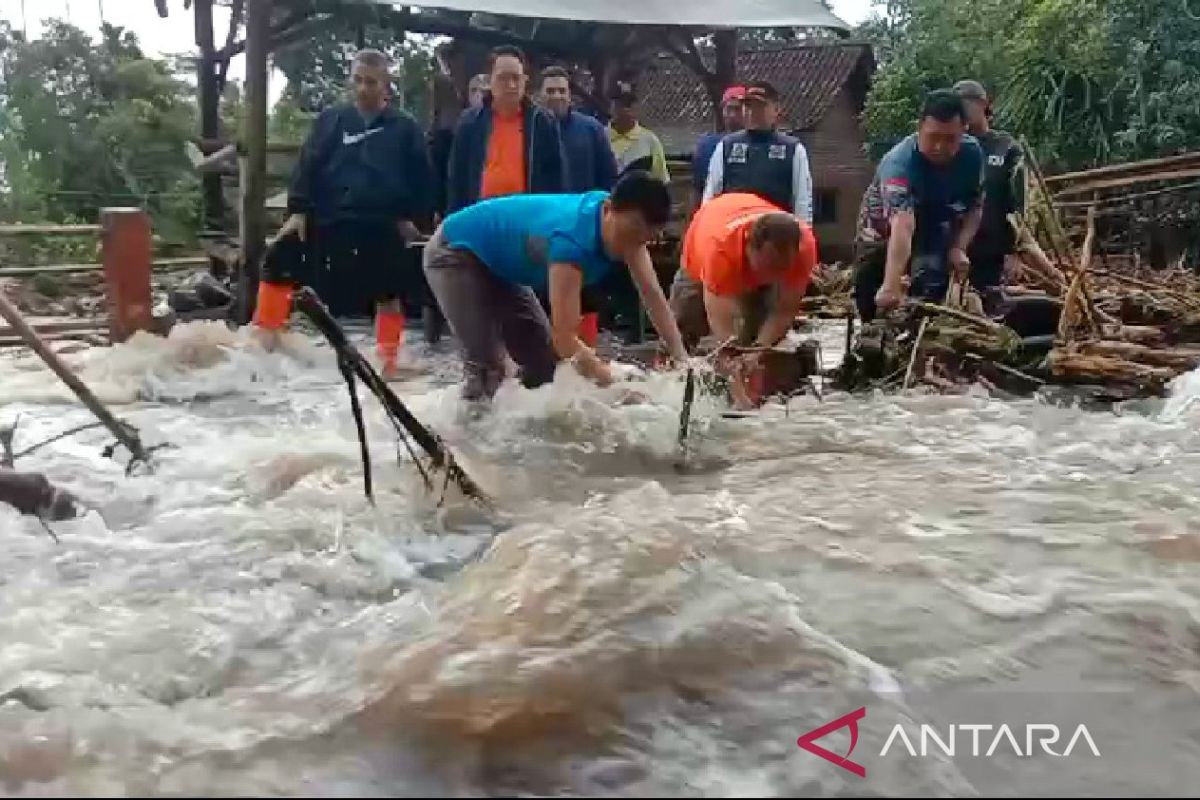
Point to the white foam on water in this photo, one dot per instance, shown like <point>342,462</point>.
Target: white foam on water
<point>242,621</point>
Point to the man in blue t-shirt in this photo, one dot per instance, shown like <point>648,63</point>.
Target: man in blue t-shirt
<point>921,211</point>
<point>485,262</point>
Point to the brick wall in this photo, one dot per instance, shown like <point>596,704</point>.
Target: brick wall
<point>841,168</point>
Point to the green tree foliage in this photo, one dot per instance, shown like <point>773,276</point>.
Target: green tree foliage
<point>1086,81</point>
<point>86,123</point>
<point>318,69</point>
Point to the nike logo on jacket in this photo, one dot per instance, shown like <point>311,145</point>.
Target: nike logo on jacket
<point>354,138</point>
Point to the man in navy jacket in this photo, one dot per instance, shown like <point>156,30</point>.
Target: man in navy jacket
<point>508,145</point>
<point>591,164</point>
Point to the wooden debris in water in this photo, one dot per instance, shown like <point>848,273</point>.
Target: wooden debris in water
<point>1118,325</point>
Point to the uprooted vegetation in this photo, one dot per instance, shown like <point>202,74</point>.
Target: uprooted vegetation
<point>1122,329</point>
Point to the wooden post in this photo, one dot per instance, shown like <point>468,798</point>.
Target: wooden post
<point>127,257</point>
<point>209,93</point>
<point>254,137</point>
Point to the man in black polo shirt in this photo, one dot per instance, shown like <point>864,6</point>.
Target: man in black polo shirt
<point>1003,194</point>
<point>761,160</point>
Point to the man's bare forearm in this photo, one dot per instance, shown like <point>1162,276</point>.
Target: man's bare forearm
<point>641,268</point>
<point>970,226</point>
<point>722,316</point>
<point>899,251</point>
<point>663,321</point>
<point>780,322</point>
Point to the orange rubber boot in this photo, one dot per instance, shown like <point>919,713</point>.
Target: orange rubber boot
<point>274,305</point>
<point>389,331</point>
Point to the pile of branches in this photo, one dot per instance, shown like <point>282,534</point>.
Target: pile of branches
<point>1125,331</point>
<point>942,347</point>
<point>829,292</point>
<point>1134,332</point>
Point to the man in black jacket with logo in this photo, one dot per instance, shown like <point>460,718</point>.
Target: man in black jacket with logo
<point>1003,194</point>
<point>363,177</point>
<point>761,160</point>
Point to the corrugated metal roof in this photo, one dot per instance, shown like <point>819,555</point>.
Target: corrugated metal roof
<point>675,105</point>
<point>707,14</point>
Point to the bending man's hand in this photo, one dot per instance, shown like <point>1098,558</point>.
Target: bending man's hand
<point>297,224</point>
<point>890,295</point>
<point>408,231</point>
<point>960,264</point>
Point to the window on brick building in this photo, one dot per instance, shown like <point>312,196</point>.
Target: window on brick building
<point>824,206</point>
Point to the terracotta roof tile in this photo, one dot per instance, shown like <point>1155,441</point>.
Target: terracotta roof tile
<point>675,106</point>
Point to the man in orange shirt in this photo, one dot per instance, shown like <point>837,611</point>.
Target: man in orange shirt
<point>507,145</point>
<point>744,271</point>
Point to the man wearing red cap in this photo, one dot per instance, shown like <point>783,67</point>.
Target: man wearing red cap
<point>761,159</point>
<point>733,119</point>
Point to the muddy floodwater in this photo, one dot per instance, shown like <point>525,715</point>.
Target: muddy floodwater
<point>243,622</point>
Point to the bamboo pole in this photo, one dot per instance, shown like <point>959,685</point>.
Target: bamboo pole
<point>1134,180</point>
<point>123,433</point>
<point>1058,237</point>
<point>63,269</point>
<point>1137,167</point>
<point>60,325</point>
<point>43,230</point>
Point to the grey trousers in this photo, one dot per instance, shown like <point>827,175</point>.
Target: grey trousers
<point>687,304</point>
<point>489,316</point>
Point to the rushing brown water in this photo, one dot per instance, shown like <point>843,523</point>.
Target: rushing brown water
<point>243,622</point>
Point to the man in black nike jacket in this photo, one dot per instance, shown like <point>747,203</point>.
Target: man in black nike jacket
<point>363,178</point>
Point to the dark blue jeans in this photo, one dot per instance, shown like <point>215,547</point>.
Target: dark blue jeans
<point>930,277</point>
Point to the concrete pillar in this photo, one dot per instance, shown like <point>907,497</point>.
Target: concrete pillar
<point>127,255</point>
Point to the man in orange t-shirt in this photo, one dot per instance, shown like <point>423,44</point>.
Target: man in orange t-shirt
<point>507,145</point>
<point>745,268</point>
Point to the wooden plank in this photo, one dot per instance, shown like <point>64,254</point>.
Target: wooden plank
<point>43,230</point>
<point>1127,169</point>
<point>211,146</point>
<point>1114,183</point>
<point>163,264</point>
<point>62,326</point>
<point>1124,198</point>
